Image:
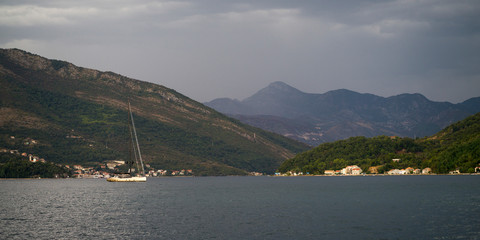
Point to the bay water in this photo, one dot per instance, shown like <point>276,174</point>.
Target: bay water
<point>368,207</point>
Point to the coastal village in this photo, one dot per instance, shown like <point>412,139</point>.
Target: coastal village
<point>102,170</point>
<point>356,170</point>
<point>109,168</point>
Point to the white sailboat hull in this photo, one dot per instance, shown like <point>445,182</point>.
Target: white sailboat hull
<point>136,150</point>
<point>128,179</point>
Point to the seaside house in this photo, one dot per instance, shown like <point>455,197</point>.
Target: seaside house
<point>356,171</point>
<point>114,163</point>
<point>111,165</point>
<point>427,171</point>
<point>295,173</point>
<point>394,172</point>
<point>351,170</point>
<point>33,159</point>
<point>78,167</point>
<point>456,171</point>
<point>329,172</point>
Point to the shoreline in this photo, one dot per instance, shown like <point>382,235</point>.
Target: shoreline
<point>373,175</point>
<point>310,175</point>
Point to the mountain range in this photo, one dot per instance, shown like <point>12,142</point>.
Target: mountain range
<point>455,149</point>
<point>340,114</point>
<point>77,115</point>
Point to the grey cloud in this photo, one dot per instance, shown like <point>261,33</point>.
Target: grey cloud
<point>212,48</point>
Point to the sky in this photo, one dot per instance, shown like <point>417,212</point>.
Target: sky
<point>207,49</point>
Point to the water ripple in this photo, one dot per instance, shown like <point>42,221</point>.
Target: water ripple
<point>437,207</point>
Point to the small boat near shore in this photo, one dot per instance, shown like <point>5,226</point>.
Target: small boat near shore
<point>139,175</point>
<point>127,179</point>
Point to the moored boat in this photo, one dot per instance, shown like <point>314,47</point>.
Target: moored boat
<point>140,177</point>
<point>127,179</point>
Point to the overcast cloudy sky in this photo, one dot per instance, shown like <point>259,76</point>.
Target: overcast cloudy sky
<point>207,49</point>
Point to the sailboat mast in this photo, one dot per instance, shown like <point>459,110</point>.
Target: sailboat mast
<point>136,140</point>
<point>133,149</point>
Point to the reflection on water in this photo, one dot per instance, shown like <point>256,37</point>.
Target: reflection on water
<point>387,207</point>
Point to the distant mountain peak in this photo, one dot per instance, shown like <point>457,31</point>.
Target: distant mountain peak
<point>410,98</point>
<point>46,99</point>
<point>281,86</point>
<point>342,92</point>
<point>342,113</point>
<point>411,95</point>
<point>276,89</point>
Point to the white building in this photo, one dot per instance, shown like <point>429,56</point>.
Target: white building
<point>356,171</point>
<point>329,172</point>
<point>395,172</point>
<point>351,170</point>
<point>457,171</point>
<point>426,170</point>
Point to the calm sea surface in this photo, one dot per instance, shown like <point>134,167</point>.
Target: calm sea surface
<point>381,207</point>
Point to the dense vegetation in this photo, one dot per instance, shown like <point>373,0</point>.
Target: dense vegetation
<point>78,116</point>
<point>455,147</point>
<point>12,166</point>
<point>92,133</point>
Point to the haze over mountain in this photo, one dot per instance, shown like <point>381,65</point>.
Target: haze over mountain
<point>339,114</point>
<point>78,116</point>
<point>455,148</point>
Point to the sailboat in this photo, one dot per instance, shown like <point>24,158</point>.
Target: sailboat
<point>130,177</point>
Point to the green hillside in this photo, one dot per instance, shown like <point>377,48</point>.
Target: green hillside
<point>78,116</point>
<point>13,166</point>
<point>455,147</point>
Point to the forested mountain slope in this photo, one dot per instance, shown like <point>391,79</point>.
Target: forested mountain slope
<point>455,147</point>
<point>78,116</point>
